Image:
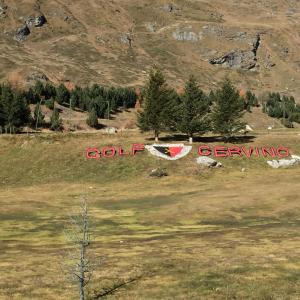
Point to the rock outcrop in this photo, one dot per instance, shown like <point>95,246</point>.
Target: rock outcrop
<point>21,33</point>
<point>38,21</point>
<point>239,59</point>
<point>36,76</point>
<point>186,35</point>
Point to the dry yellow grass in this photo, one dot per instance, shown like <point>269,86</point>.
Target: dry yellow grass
<point>214,234</point>
<point>82,41</point>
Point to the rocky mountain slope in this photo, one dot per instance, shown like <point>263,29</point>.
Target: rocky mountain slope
<point>255,43</point>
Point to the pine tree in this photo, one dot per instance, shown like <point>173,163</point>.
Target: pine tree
<point>62,94</point>
<point>50,103</point>
<point>38,116</point>
<point>55,121</point>
<point>227,111</point>
<point>38,88</point>
<point>153,115</point>
<point>194,110</point>
<point>2,112</point>
<point>171,112</point>
<point>49,91</point>
<point>92,119</point>
<point>14,109</point>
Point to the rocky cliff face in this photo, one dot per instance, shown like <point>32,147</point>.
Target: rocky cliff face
<point>116,42</point>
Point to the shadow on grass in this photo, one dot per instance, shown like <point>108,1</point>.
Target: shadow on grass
<point>207,139</point>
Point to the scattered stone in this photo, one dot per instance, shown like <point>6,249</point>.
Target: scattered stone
<point>151,26</point>
<point>159,172</point>
<point>216,17</point>
<point>22,33</point>
<point>208,162</point>
<point>240,36</point>
<point>243,170</point>
<point>126,39</point>
<point>290,12</point>
<point>283,163</point>
<point>3,9</point>
<point>99,39</point>
<point>169,7</point>
<point>186,35</point>
<point>268,62</point>
<point>38,21</point>
<point>36,76</point>
<point>111,130</point>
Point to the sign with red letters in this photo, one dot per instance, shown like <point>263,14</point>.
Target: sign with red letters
<point>177,151</point>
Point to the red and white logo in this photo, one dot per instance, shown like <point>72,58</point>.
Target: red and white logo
<point>169,151</point>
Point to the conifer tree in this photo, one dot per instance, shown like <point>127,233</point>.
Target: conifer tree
<point>194,110</point>
<point>38,88</point>
<point>38,116</point>
<point>155,102</point>
<point>14,109</point>
<point>62,94</point>
<point>55,121</point>
<point>92,119</point>
<point>227,111</point>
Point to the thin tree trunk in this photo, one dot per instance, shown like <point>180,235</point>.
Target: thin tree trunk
<point>81,280</point>
<point>156,136</point>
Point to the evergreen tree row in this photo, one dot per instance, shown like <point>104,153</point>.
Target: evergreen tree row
<point>96,98</point>
<point>14,110</point>
<point>99,101</point>
<point>282,107</point>
<point>194,112</point>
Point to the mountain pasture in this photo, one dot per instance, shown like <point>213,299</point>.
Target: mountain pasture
<point>195,234</point>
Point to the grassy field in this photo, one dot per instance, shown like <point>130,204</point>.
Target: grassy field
<point>196,234</point>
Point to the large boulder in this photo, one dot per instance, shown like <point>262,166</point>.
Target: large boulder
<point>111,130</point>
<point>37,21</point>
<point>284,163</point>
<point>21,33</point>
<point>208,162</point>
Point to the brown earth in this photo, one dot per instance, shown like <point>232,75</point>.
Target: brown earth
<point>88,41</point>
